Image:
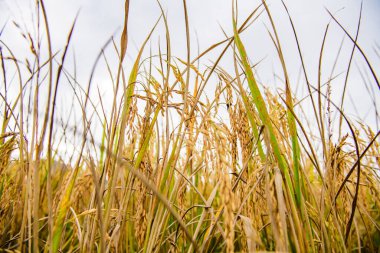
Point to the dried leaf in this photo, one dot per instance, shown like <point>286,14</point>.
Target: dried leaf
<point>250,232</point>
<point>124,35</point>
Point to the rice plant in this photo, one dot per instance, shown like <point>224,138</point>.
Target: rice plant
<point>183,157</point>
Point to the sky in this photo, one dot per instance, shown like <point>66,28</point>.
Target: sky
<point>98,20</point>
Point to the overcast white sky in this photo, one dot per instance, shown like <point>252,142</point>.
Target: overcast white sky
<point>100,19</point>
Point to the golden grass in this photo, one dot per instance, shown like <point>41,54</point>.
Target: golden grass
<point>170,174</point>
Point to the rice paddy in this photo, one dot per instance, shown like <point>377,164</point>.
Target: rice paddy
<point>189,157</point>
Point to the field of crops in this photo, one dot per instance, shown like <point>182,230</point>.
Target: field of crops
<point>191,157</point>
